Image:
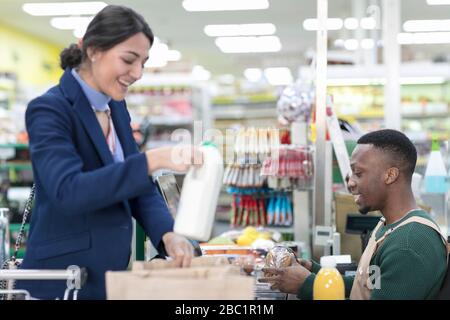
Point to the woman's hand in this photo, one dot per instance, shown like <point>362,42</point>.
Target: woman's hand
<point>178,158</point>
<point>178,248</point>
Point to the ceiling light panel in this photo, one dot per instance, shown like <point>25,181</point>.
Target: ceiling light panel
<point>253,74</point>
<point>438,2</point>
<point>251,29</point>
<point>63,8</point>
<point>426,25</point>
<point>407,38</point>
<point>70,23</point>
<point>248,44</point>
<point>224,5</point>
<point>278,76</point>
<point>332,24</point>
<point>368,23</point>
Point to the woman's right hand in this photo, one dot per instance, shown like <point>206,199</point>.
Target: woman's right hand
<point>178,158</point>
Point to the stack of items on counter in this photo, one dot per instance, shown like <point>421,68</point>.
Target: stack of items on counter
<point>248,245</point>
<point>251,262</point>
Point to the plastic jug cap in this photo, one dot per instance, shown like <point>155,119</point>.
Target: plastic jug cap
<point>328,262</point>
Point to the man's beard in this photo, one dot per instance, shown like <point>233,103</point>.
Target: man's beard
<point>365,210</point>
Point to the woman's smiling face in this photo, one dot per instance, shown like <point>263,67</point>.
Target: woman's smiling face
<point>114,70</point>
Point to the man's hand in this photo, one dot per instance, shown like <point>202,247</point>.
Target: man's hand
<point>288,280</point>
<point>178,248</point>
<point>305,263</point>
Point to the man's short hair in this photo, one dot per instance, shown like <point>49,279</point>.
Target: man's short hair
<point>397,145</point>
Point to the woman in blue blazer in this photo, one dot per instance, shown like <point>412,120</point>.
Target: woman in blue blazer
<point>91,182</point>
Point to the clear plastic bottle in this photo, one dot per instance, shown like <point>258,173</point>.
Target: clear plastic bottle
<point>328,284</point>
<point>198,200</point>
<point>435,174</point>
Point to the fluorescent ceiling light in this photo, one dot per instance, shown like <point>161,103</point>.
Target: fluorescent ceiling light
<point>407,38</point>
<point>79,32</point>
<point>332,24</point>
<point>70,23</point>
<point>367,43</point>
<point>339,43</point>
<point>351,44</point>
<point>253,74</point>
<point>278,76</point>
<point>226,79</point>
<point>438,2</point>
<point>173,55</point>
<point>224,5</point>
<point>368,23</point>
<point>157,56</point>
<point>248,44</point>
<point>200,73</point>
<point>63,8</point>
<point>426,25</point>
<point>252,29</point>
<point>351,23</point>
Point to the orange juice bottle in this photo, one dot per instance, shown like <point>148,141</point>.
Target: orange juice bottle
<point>328,284</point>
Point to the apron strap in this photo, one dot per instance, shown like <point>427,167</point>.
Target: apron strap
<point>420,220</point>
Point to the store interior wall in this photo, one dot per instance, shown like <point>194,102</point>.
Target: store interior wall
<point>33,60</point>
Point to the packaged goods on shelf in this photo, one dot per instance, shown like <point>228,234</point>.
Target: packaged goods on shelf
<point>292,167</point>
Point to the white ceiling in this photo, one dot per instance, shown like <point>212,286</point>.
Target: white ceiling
<point>183,30</point>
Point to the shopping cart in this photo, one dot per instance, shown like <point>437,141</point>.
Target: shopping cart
<point>75,278</point>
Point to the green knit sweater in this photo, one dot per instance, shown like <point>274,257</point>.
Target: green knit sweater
<point>412,262</point>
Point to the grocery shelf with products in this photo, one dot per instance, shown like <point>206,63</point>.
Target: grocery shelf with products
<point>8,88</point>
<point>160,106</point>
<point>425,99</point>
<point>267,171</point>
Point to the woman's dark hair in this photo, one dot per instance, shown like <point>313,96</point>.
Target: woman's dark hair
<point>111,26</point>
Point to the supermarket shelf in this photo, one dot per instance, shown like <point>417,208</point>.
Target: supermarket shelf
<point>14,145</point>
<point>15,166</point>
<point>425,116</point>
<point>243,113</point>
<point>244,102</point>
<point>170,121</point>
<point>404,116</point>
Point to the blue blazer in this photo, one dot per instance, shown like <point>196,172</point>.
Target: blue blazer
<point>84,201</point>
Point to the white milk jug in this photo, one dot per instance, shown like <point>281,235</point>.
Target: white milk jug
<point>199,194</point>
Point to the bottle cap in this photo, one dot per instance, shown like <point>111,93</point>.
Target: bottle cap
<point>328,262</point>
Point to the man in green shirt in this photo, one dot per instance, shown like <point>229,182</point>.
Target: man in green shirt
<point>412,258</point>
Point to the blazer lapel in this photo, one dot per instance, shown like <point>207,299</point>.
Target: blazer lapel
<point>73,92</point>
<point>122,127</point>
